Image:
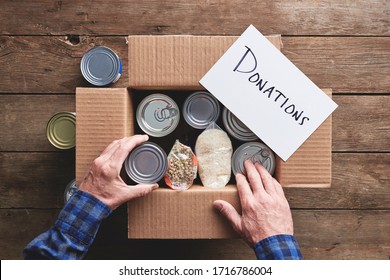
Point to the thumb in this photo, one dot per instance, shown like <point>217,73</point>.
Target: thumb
<point>230,213</point>
<point>141,190</point>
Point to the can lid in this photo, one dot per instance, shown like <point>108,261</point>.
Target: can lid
<point>256,152</point>
<point>70,190</point>
<point>200,109</point>
<point>236,128</point>
<point>101,66</point>
<point>158,115</point>
<point>146,164</point>
<point>61,130</point>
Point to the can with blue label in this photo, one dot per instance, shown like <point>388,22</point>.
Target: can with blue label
<point>101,66</point>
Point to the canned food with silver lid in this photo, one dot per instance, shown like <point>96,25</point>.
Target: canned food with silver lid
<point>61,130</point>
<point>70,190</point>
<point>201,109</point>
<point>146,164</point>
<point>237,128</point>
<point>158,115</point>
<point>101,66</point>
<point>255,152</point>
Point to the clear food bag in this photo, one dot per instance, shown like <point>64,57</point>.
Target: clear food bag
<point>182,167</point>
<point>214,151</point>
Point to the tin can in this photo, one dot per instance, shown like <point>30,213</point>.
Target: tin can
<point>256,152</point>
<point>101,66</point>
<point>61,130</point>
<point>237,128</point>
<point>70,190</point>
<point>147,163</point>
<point>158,115</point>
<point>200,109</point>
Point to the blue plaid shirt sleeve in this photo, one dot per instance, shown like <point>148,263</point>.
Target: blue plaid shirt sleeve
<point>278,247</point>
<point>73,232</point>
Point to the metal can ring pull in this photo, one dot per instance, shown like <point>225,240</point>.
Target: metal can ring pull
<point>165,113</point>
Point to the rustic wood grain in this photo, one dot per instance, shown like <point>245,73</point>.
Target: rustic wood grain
<point>360,123</point>
<point>35,179</point>
<point>19,227</point>
<point>292,17</point>
<point>24,120</point>
<point>360,181</point>
<point>321,234</point>
<point>46,64</point>
<point>345,64</point>
<point>51,64</point>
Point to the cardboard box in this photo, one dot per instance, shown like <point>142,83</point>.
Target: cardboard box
<point>178,62</point>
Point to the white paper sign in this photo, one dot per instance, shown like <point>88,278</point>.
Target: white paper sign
<point>267,92</point>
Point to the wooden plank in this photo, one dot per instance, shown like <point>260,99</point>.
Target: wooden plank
<point>340,234</point>
<point>35,179</point>
<point>38,180</point>
<point>345,64</point>
<point>42,64</point>
<point>19,227</point>
<point>293,17</point>
<point>321,235</point>
<point>360,123</point>
<point>51,64</point>
<point>25,119</point>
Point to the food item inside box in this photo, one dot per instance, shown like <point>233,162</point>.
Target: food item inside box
<point>214,151</point>
<point>182,167</point>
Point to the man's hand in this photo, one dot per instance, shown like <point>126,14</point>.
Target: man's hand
<point>103,180</point>
<point>265,210</point>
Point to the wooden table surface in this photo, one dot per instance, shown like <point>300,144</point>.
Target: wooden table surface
<point>344,45</point>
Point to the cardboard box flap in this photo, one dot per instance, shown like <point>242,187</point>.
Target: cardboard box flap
<point>173,62</point>
<point>102,115</point>
<point>311,164</point>
<point>188,214</point>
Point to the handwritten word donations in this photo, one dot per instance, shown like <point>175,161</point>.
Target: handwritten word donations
<point>272,92</point>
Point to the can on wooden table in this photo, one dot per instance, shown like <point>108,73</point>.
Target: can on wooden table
<point>101,66</point>
<point>70,190</point>
<point>147,163</point>
<point>61,130</point>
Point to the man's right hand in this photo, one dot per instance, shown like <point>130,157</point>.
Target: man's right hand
<point>265,210</point>
<point>103,180</point>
